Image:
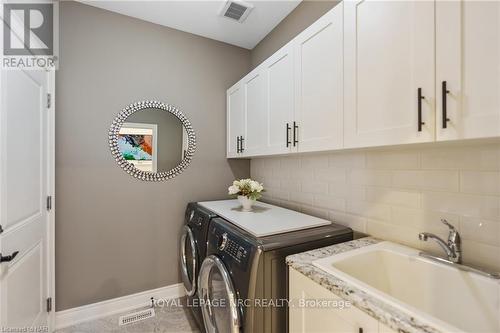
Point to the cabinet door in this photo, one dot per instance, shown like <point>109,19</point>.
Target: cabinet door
<point>316,309</point>
<point>319,86</point>
<point>281,99</point>
<point>389,55</point>
<point>468,60</point>
<point>235,118</point>
<point>255,137</point>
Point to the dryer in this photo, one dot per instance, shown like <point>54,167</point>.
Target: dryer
<point>193,246</point>
<point>241,269</point>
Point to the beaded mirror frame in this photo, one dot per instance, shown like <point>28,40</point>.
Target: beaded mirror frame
<point>129,167</point>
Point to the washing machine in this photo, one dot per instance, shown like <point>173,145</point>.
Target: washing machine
<point>193,247</point>
<point>243,281</point>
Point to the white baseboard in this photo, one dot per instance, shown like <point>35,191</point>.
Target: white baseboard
<point>113,306</point>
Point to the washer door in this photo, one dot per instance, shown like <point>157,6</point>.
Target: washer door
<point>216,291</point>
<point>188,261</point>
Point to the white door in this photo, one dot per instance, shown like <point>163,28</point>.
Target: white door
<point>319,84</point>
<point>281,99</point>
<point>235,119</point>
<point>255,138</point>
<point>389,56</point>
<point>468,65</point>
<point>24,178</point>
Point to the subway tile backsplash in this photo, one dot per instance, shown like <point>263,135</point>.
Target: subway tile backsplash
<point>396,193</point>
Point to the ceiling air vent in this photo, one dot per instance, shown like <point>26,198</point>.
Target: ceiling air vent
<point>236,10</point>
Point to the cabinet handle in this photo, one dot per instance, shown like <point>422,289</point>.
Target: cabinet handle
<point>360,330</point>
<point>288,128</point>
<point>295,128</point>
<point>444,92</point>
<point>241,144</point>
<point>419,102</point>
<point>237,145</point>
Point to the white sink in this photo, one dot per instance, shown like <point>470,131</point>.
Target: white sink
<point>449,299</point>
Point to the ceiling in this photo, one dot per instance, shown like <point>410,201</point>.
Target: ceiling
<point>203,18</point>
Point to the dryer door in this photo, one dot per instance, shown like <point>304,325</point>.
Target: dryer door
<point>218,297</point>
<point>188,261</point>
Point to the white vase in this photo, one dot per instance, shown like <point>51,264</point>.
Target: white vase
<point>246,203</point>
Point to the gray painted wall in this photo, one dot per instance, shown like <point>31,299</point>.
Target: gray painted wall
<point>116,235</point>
<point>300,18</point>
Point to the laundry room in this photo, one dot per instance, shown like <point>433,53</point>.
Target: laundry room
<point>250,166</point>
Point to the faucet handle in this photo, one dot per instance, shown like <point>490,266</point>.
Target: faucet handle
<point>448,224</point>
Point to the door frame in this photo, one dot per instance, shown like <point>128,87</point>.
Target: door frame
<point>51,177</point>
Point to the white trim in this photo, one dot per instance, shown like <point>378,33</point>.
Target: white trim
<point>116,305</point>
<point>51,177</point>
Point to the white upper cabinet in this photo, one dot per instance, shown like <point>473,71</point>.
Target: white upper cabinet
<point>293,101</point>
<point>235,119</point>
<point>374,73</point>
<point>468,63</point>
<point>389,58</point>
<point>319,86</point>
<point>281,99</point>
<point>256,105</point>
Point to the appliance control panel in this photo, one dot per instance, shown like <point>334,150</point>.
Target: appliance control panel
<point>237,250</point>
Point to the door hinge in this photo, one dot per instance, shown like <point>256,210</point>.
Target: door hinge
<point>49,304</point>
<point>49,100</point>
<point>49,202</point>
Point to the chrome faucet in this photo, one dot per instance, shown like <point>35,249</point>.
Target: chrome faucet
<point>452,248</point>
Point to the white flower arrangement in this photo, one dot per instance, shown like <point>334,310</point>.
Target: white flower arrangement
<point>246,187</point>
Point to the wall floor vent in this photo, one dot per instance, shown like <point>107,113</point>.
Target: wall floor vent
<point>136,316</point>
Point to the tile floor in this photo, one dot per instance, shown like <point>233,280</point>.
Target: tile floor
<point>168,319</point>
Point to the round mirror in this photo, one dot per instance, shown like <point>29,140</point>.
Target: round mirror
<point>152,141</point>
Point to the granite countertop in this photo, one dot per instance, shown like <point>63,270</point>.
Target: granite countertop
<point>374,306</point>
